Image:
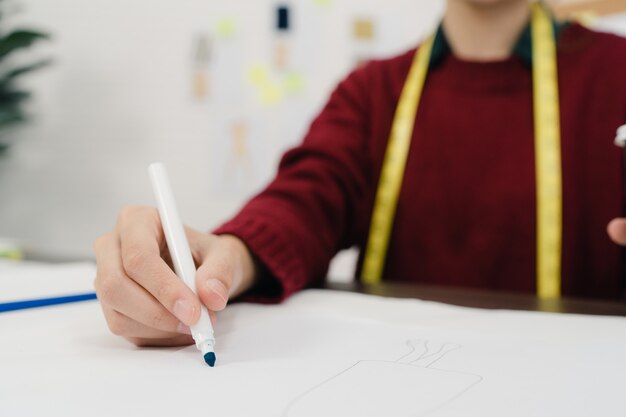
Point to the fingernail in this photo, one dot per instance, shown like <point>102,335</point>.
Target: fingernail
<point>184,311</point>
<point>183,328</point>
<point>216,287</point>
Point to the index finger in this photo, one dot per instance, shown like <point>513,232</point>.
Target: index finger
<point>141,240</point>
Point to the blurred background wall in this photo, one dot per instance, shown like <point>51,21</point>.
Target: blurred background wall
<point>215,89</point>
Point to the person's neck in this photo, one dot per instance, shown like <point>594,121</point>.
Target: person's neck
<point>479,32</point>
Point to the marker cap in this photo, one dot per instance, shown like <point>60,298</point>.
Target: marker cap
<point>620,138</point>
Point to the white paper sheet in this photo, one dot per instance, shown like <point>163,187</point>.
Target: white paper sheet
<point>321,353</point>
<point>30,280</point>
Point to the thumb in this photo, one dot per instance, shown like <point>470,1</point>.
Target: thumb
<point>213,280</point>
<point>617,231</point>
<point>214,275</point>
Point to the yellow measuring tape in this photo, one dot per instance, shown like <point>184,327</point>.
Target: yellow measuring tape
<point>547,158</point>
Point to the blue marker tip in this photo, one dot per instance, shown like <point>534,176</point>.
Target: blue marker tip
<point>209,358</point>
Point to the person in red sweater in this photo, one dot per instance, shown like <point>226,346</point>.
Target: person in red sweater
<point>466,214</point>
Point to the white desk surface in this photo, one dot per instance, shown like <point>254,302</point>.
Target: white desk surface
<point>321,353</point>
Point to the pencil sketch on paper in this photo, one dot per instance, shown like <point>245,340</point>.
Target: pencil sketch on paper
<point>409,386</point>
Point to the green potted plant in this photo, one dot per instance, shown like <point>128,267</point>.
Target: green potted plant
<point>12,96</point>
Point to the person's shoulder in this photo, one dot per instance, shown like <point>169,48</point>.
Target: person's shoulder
<point>398,62</point>
<point>598,58</point>
<point>579,39</point>
<point>602,38</point>
<point>382,75</point>
<point>391,67</point>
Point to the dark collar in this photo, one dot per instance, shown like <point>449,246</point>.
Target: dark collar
<point>523,46</point>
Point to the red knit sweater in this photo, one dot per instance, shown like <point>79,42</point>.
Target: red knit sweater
<point>466,212</point>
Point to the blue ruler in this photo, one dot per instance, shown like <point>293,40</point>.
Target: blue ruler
<point>44,302</point>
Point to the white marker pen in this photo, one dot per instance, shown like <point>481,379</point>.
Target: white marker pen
<point>180,253</point>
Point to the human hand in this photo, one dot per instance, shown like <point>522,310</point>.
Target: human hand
<point>143,299</point>
<point>617,230</point>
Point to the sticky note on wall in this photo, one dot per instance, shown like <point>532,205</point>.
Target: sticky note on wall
<point>363,29</point>
<point>283,22</point>
<point>225,28</point>
<point>202,50</point>
<point>323,3</point>
<point>201,61</point>
<point>281,42</point>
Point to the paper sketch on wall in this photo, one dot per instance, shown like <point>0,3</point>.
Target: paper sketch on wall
<point>239,168</point>
<point>409,386</point>
<point>283,35</point>
<point>364,36</point>
<point>201,81</point>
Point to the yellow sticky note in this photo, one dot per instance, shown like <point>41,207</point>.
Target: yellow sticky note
<point>293,83</point>
<point>271,94</point>
<point>323,3</point>
<point>225,28</point>
<point>258,75</point>
<point>363,29</point>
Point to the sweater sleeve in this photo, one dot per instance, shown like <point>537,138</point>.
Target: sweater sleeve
<point>315,204</point>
